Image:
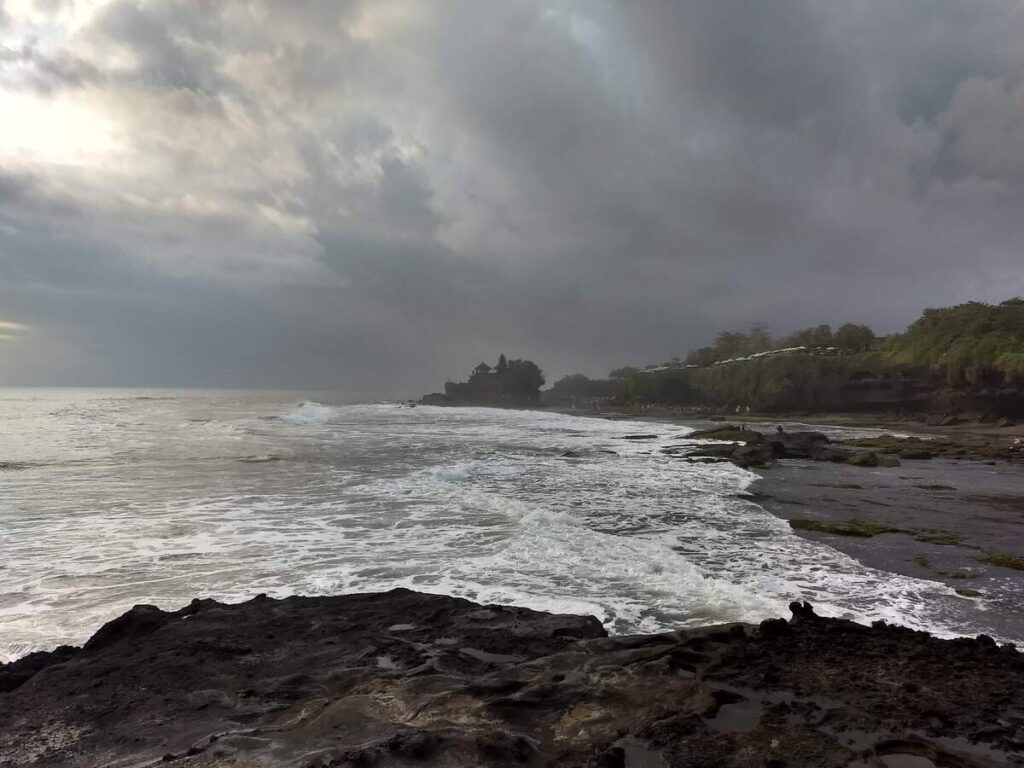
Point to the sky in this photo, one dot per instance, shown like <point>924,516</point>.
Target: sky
<point>376,195</point>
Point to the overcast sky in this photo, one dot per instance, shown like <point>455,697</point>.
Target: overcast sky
<point>379,193</point>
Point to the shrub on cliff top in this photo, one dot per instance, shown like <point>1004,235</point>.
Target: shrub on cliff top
<point>968,335</point>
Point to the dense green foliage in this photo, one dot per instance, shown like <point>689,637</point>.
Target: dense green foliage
<point>972,335</point>
<point>623,373</point>
<point>969,345</point>
<point>728,345</point>
<point>800,382</point>
<point>674,386</point>
<point>577,387</point>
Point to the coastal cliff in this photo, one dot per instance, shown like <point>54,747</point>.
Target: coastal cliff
<point>965,362</point>
<point>408,679</point>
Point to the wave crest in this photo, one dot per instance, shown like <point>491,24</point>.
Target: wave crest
<point>311,412</point>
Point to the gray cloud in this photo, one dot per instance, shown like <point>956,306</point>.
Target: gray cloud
<point>43,73</point>
<point>376,194</point>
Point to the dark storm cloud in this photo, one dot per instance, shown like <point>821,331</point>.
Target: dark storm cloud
<point>378,194</point>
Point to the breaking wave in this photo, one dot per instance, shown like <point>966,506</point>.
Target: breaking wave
<point>232,497</point>
<point>312,413</point>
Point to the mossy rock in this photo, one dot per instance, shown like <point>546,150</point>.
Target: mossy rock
<point>866,459</point>
<point>860,528</point>
<point>1004,560</point>
<point>958,575</point>
<point>942,538</point>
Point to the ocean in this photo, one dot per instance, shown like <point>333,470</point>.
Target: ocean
<point>110,498</point>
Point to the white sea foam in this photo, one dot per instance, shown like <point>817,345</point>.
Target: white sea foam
<point>477,503</point>
<point>312,413</point>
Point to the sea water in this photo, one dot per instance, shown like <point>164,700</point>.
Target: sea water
<point>114,498</point>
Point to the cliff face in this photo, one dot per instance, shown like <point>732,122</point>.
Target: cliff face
<point>967,358</point>
<point>407,679</point>
<point>838,384</point>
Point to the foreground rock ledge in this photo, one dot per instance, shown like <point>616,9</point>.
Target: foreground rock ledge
<point>408,679</point>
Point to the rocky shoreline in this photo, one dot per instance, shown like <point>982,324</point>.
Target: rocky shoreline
<point>409,679</point>
<point>749,448</point>
<point>944,507</point>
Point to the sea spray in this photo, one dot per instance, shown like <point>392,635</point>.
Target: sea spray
<point>184,500</point>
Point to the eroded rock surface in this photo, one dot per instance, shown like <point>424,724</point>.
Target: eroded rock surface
<point>407,679</point>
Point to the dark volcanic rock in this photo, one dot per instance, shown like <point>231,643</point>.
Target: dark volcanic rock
<point>756,450</point>
<point>804,445</point>
<point>863,459</point>
<point>826,453</point>
<point>17,672</point>
<point>753,455</point>
<point>727,432</point>
<point>405,679</point>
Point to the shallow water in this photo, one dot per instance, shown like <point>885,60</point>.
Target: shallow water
<point>112,498</point>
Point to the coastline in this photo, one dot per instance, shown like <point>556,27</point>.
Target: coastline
<point>937,520</point>
<point>866,420</point>
<point>956,518</point>
<point>409,679</point>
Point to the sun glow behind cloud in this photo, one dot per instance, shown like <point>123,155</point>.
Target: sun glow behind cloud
<point>10,331</point>
<point>42,123</point>
<point>57,130</point>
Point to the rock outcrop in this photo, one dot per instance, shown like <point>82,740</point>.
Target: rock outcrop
<point>754,449</point>
<point>407,679</point>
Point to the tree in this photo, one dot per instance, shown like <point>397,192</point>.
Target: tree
<point>854,337</point>
<point>822,336</point>
<point>729,344</point>
<point>525,378</point>
<point>758,339</point>
<point>971,335</point>
<point>804,338</point>
<point>573,385</point>
<point>819,336</point>
<point>502,366</point>
<point>703,357</point>
<point>624,372</point>
<point>663,387</point>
